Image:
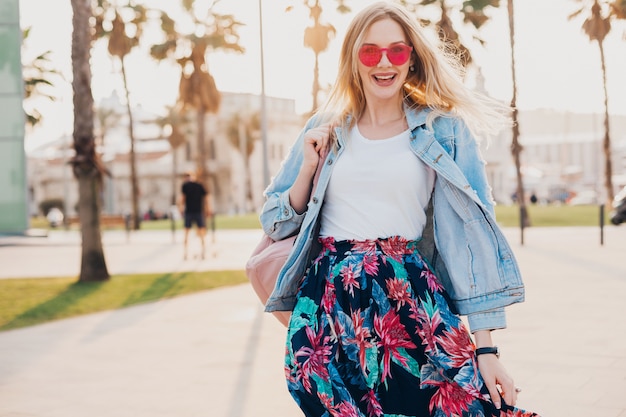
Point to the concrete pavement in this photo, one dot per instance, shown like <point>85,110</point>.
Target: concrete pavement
<point>216,354</point>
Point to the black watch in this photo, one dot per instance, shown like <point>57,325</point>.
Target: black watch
<point>488,351</point>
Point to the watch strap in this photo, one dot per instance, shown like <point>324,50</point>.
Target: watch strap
<point>491,350</point>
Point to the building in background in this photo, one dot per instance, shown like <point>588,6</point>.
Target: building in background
<point>14,195</point>
<point>563,158</point>
<point>160,167</point>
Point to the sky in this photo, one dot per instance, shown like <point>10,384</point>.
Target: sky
<point>557,67</point>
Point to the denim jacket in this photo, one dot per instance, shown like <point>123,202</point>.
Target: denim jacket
<point>462,241</point>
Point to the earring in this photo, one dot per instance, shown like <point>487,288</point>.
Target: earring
<point>412,68</point>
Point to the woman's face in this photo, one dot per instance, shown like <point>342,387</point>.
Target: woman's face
<point>384,79</point>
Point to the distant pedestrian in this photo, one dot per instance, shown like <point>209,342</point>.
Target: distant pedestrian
<point>194,205</point>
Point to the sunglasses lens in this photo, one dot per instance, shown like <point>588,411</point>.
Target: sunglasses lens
<point>398,54</point>
<point>370,55</point>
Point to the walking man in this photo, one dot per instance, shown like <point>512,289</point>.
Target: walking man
<point>194,204</point>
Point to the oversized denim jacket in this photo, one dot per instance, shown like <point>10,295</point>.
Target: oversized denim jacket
<point>462,241</point>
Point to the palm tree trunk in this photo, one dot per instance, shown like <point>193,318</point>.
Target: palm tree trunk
<point>134,185</point>
<point>249,198</point>
<point>316,83</point>
<point>202,154</point>
<point>93,266</point>
<point>606,143</point>
<point>243,145</point>
<point>85,163</point>
<point>207,179</point>
<point>516,147</point>
<point>174,173</point>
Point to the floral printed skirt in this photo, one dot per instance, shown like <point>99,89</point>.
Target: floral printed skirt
<point>372,334</point>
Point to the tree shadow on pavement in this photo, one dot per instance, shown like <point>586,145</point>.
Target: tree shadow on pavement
<point>159,288</point>
<point>55,308</point>
<point>156,291</point>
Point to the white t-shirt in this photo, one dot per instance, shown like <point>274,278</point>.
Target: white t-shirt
<point>378,189</point>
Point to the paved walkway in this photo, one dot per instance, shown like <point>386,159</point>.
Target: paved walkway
<point>216,354</point>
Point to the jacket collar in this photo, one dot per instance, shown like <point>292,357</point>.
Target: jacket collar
<point>415,116</point>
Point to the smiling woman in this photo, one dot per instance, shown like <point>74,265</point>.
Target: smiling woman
<point>387,244</point>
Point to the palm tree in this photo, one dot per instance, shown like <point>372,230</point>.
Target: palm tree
<point>120,44</point>
<point>516,147</point>
<point>86,165</point>
<point>242,133</point>
<point>317,37</point>
<point>197,88</point>
<point>473,12</point>
<point>38,74</point>
<point>597,25</point>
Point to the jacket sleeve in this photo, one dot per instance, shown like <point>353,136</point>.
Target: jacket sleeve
<point>469,159</point>
<point>487,320</point>
<point>278,218</point>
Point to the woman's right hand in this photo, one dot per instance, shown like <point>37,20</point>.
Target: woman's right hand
<point>316,143</point>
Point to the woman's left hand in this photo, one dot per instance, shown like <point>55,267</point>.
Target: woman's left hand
<point>497,380</point>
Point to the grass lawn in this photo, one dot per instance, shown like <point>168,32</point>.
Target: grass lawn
<point>248,221</point>
<point>551,216</point>
<point>26,302</point>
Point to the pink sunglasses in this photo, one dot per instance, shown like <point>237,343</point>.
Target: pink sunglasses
<point>370,55</point>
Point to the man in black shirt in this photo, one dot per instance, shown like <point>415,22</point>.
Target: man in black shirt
<point>194,204</point>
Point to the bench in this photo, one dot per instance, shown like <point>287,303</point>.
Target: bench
<point>106,221</point>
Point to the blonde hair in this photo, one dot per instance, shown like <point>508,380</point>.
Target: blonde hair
<point>435,83</point>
